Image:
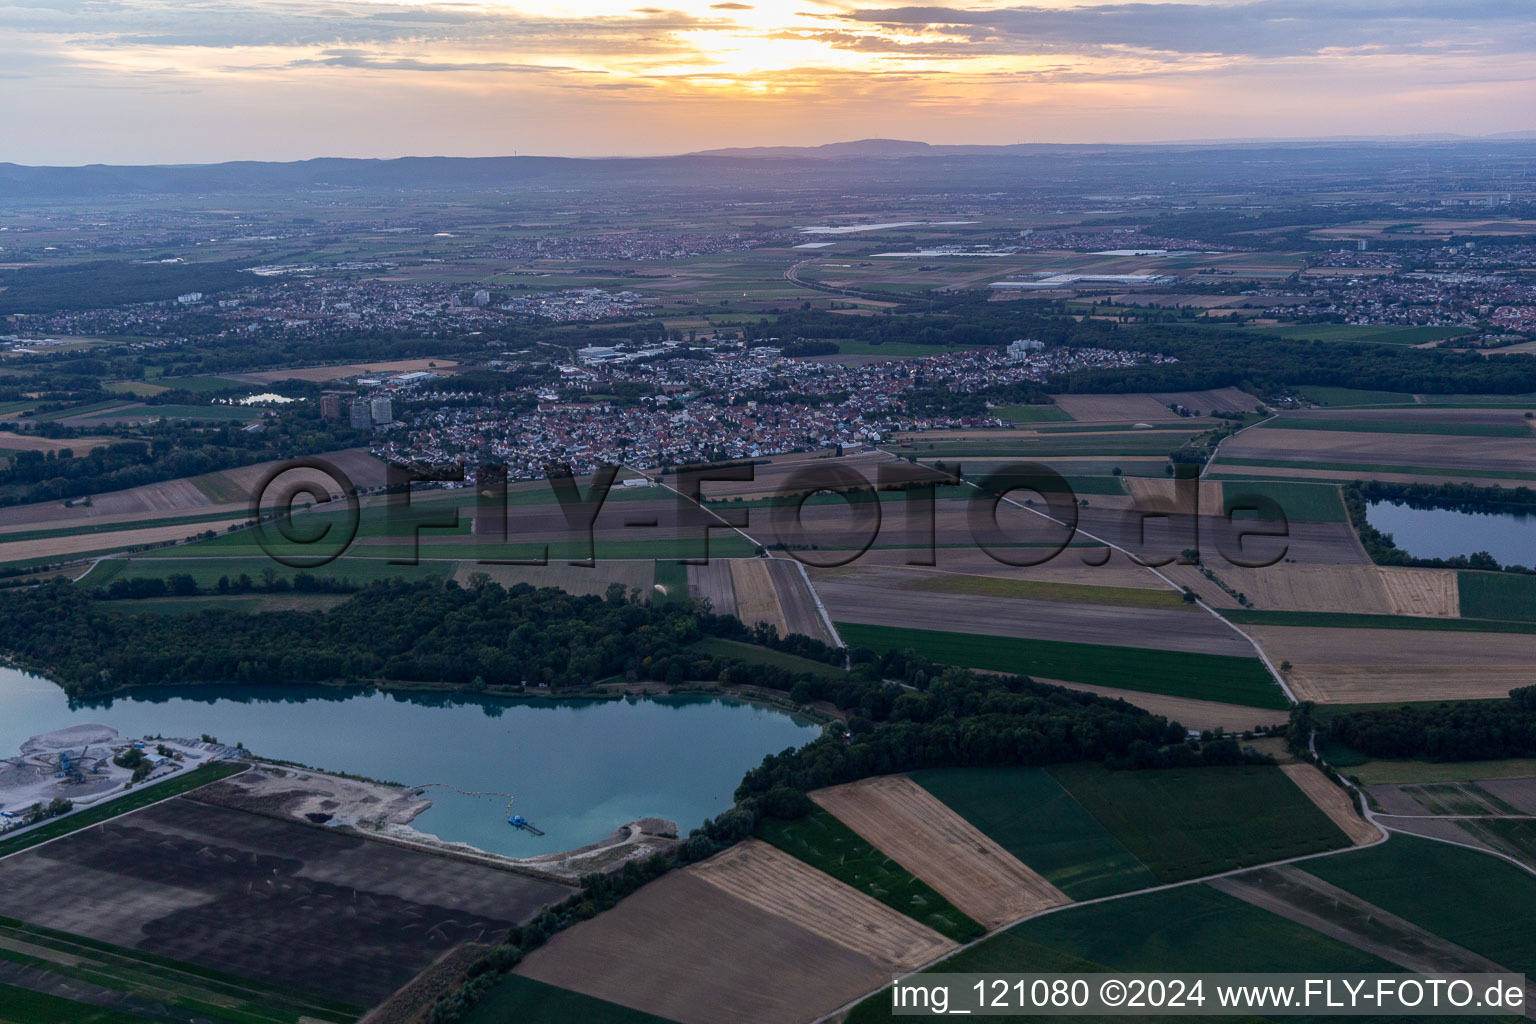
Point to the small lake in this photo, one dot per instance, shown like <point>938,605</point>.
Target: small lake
<point>1445,533</point>
<point>578,769</point>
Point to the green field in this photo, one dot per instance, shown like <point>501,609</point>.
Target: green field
<point>207,571</point>
<point>1373,772</point>
<point>1216,677</point>
<point>527,1001</point>
<point>139,796</point>
<point>202,385</point>
<point>1037,590</point>
<point>1031,816</point>
<point>825,843</point>
<point>193,990</point>
<point>1371,334</point>
<point>1470,898</point>
<point>1190,822</point>
<point>180,412</point>
<point>1313,503</point>
<point>752,654</point>
<point>1345,397</point>
<point>1189,928</point>
<point>1357,620</point>
<point>1096,484</point>
<point>1440,427</point>
<point>1493,595</point>
<point>24,1006</point>
<point>671,577</point>
<point>80,529</point>
<point>1031,413</point>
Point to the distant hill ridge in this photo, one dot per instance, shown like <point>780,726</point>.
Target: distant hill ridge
<point>889,164</point>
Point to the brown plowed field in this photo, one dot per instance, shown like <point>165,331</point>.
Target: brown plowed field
<point>756,599</point>
<point>1179,628</point>
<point>1333,801</point>
<point>796,601</point>
<point>1207,402</point>
<point>1367,666</point>
<point>1432,592</point>
<point>81,542</point>
<point>913,828</point>
<point>1116,409</point>
<point>772,880</point>
<point>712,583</point>
<point>686,950</point>
<point>1151,493</point>
<point>1467,454</point>
<point>1287,586</point>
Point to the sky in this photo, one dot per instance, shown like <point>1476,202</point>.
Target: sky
<point>195,81</point>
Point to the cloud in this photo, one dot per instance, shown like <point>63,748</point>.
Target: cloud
<point>732,7</point>
<point>1263,28</point>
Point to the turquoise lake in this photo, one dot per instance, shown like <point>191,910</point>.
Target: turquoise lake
<point>577,769</point>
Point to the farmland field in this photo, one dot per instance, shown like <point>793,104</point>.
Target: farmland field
<point>827,844</point>
<point>24,1006</point>
<point>1189,928</point>
<point>1353,396</point>
<point>1031,816</point>
<point>195,900</point>
<point>1031,413</point>
<point>1472,899</point>
<point>1347,620</point>
<point>533,1002</point>
<point>920,833</point>
<point>766,877</point>
<point>752,654</point>
<point>1488,595</point>
<point>1001,586</point>
<point>1333,801</point>
<point>1222,678</point>
<point>1311,502</point>
<point>1184,823</point>
<point>1379,335</point>
<point>689,951</point>
<point>1374,426</point>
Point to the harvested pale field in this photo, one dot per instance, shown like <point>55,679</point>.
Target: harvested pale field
<point>228,491</point>
<point>712,583</point>
<point>1190,713</point>
<point>1442,475</point>
<point>1432,592</point>
<point>1116,409</point>
<point>1179,628</point>
<point>1466,454</point>
<point>1207,402</point>
<point>239,484</point>
<point>772,880</point>
<point>1288,586</point>
<point>1372,666</point>
<point>797,602</point>
<point>19,442</point>
<point>1190,577</point>
<point>1512,416</point>
<point>634,574</point>
<point>1150,493</point>
<point>757,600</point>
<point>1068,567</point>
<point>686,950</point>
<point>321,374</point>
<point>1333,801</point>
<point>910,825</point>
<point>80,543</point>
